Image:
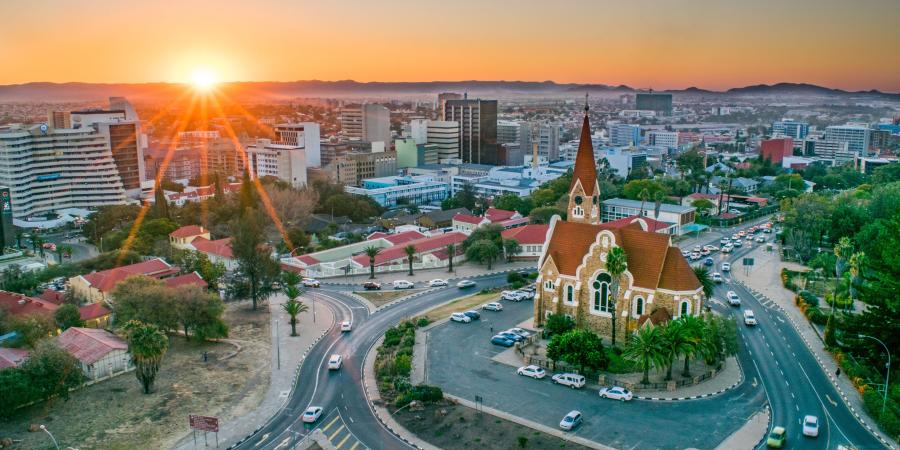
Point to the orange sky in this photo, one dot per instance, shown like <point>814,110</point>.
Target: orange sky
<point>713,44</point>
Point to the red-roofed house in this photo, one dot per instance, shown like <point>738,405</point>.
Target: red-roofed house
<point>188,278</point>
<point>690,199</point>
<point>218,251</point>
<point>465,223</point>
<point>21,305</point>
<point>12,357</point>
<point>397,238</point>
<point>96,287</point>
<point>94,315</point>
<point>430,253</point>
<point>100,353</point>
<point>182,237</point>
<point>499,215</point>
<point>531,239</point>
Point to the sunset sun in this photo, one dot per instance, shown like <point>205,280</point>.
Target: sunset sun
<point>203,79</point>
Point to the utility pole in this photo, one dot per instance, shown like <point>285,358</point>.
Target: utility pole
<point>887,375</point>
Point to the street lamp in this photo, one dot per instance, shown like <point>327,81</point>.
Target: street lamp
<point>887,375</point>
<point>51,436</point>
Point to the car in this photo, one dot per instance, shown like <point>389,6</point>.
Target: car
<point>810,426</point>
<point>616,393</point>
<point>511,336</point>
<point>727,248</point>
<point>697,248</point>
<point>735,237</point>
<point>705,252</point>
<point>502,341</point>
<point>776,438</point>
<point>335,362</point>
<point>465,284</point>
<point>473,314</point>
<point>512,296</point>
<point>738,243</point>
<point>708,262</point>
<point>711,248</point>
<point>372,286</point>
<point>346,326</point>
<point>749,318</point>
<point>519,331</point>
<point>724,241</point>
<point>767,230</point>
<point>742,233</point>
<point>571,421</point>
<point>695,256</point>
<point>403,284</point>
<point>686,253</point>
<point>733,298</point>
<point>437,282</point>
<point>310,282</point>
<point>532,371</point>
<point>749,238</point>
<point>572,380</point>
<point>492,306</point>
<point>312,414</point>
<point>460,317</point>
<point>526,295</point>
<point>726,267</point>
<point>717,277</point>
<point>760,239</point>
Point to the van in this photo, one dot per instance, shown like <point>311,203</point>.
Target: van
<point>749,318</point>
<point>572,380</point>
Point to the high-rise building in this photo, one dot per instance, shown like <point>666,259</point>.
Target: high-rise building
<point>625,161</point>
<point>59,119</point>
<point>213,152</point>
<point>508,131</point>
<point>776,149</point>
<point>418,130</point>
<point>547,136</point>
<point>790,128</point>
<point>823,148</point>
<point>855,135</point>
<point>285,162</point>
<point>407,153</point>
<point>444,134</point>
<point>661,103</point>
<point>667,139</point>
<point>6,218</point>
<point>369,122</point>
<point>373,165</point>
<point>442,100</point>
<point>623,134</point>
<point>305,135</point>
<point>477,128</point>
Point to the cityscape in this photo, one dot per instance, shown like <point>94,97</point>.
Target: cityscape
<point>283,225</point>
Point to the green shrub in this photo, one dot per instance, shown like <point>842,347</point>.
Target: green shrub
<point>426,393</point>
<point>523,441</point>
<point>422,322</point>
<point>513,277</point>
<point>392,337</point>
<point>532,276</point>
<point>809,298</point>
<point>517,284</point>
<point>889,421</point>
<point>816,316</point>
<point>403,365</point>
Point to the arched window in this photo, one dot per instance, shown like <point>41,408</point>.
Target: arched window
<point>570,294</point>
<point>638,306</point>
<point>548,285</point>
<point>685,308</point>
<point>577,211</point>
<point>601,298</point>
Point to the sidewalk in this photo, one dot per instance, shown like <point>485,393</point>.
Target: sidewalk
<point>287,354</point>
<point>765,279</point>
<point>750,435</point>
<point>468,269</point>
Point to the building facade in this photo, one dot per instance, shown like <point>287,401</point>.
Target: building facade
<point>776,149</point>
<point>660,103</point>
<point>856,137</point>
<point>790,128</point>
<point>306,135</point>
<point>477,128</point>
<point>285,162</point>
<point>369,122</point>
<point>391,192</point>
<point>668,139</point>
<point>623,134</point>
<point>620,208</point>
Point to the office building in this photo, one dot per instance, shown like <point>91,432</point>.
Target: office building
<point>444,134</point>
<point>836,150</point>
<point>623,134</point>
<point>410,154</point>
<point>305,135</point>
<point>548,139</point>
<point>776,149</point>
<point>59,119</point>
<point>668,139</point>
<point>373,165</point>
<point>369,122</point>
<point>879,139</point>
<point>790,128</point>
<point>394,191</point>
<point>285,162</point>
<point>214,153</point>
<point>442,100</point>
<point>477,128</point>
<point>660,103</point>
<point>6,218</point>
<point>868,165</point>
<point>418,130</point>
<point>122,127</point>
<point>625,161</point>
<point>855,135</point>
<point>508,131</point>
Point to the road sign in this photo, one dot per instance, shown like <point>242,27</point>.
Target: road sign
<point>204,423</point>
<point>748,261</point>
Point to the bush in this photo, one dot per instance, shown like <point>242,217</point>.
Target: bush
<point>426,393</point>
<point>809,298</point>
<point>392,337</point>
<point>889,421</point>
<point>403,365</point>
<point>816,316</point>
<point>558,324</point>
<point>513,277</point>
<point>422,322</point>
<point>517,284</point>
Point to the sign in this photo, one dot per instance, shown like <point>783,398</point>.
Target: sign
<point>748,261</point>
<point>204,423</point>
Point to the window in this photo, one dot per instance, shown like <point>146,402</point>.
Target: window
<point>638,306</point>
<point>577,212</point>
<point>570,294</point>
<point>548,285</point>
<point>601,301</point>
<point>578,199</point>
<point>685,308</point>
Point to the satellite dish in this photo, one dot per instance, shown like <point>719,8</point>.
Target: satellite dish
<point>44,128</point>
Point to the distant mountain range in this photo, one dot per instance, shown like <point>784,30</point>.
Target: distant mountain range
<point>270,90</point>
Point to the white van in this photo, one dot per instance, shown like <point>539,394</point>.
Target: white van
<point>572,380</point>
<point>749,318</point>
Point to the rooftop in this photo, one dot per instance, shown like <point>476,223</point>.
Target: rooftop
<point>666,207</point>
<point>90,345</point>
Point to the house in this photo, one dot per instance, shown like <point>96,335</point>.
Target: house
<point>531,239</point>
<point>690,199</point>
<point>12,357</point>
<point>94,315</point>
<point>573,278</point>
<point>218,251</point>
<point>100,354</point>
<point>431,252</point>
<point>720,167</point>
<point>96,287</point>
<point>441,219</point>
<point>22,305</point>
<point>183,236</point>
<point>467,223</point>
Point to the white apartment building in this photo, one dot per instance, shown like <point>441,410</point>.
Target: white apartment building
<point>306,135</point>
<point>668,139</point>
<point>855,135</point>
<point>285,162</point>
<point>444,134</point>
<point>48,170</point>
<point>623,160</point>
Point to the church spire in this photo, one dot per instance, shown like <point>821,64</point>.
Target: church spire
<point>585,166</point>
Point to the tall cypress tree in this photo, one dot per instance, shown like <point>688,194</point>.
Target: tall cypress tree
<point>217,186</point>
<point>248,197</point>
<point>161,206</point>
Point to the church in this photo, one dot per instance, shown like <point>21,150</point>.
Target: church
<point>658,285</point>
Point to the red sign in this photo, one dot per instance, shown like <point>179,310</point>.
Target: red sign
<point>204,423</point>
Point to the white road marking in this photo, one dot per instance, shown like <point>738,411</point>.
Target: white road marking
<point>262,439</point>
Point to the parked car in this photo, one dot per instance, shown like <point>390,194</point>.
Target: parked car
<point>460,317</point>
<point>733,298</point>
<point>571,421</point>
<point>726,267</point>
<point>403,284</point>
<point>519,331</point>
<point>724,241</point>
<point>473,315</point>
<point>312,414</point>
<point>776,438</point>
<point>310,282</point>
<point>717,277</point>
<point>616,393</point>
<point>686,253</point>
<point>512,336</point>
<point>335,362</point>
<point>526,295</point>
<point>572,380</point>
<point>727,248</point>
<point>810,426</point>
<point>760,239</point>
<point>346,326</point>
<point>465,284</point>
<point>532,371</point>
<point>749,318</point>
<point>493,306</point>
<point>437,282</point>
<point>372,286</point>
<point>502,341</point>
<point>708,262</point>
<point>514,296</point>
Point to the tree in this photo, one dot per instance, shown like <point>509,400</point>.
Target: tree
<point>147,345</point>
<point>702,274</point>
<point>658,198</point>
<point>451,252</point>
<point>372,252</point>
<point>199,312</point>
<point>544,214</point>
<point>512,248</point>
<point>558,324</point>
<point>616,265</point>
<point>160,203</point>
<point>642,189</point>
<point>67,316</point>
<point>248,196</point>
<point>580,348</point>
<point>193,261</point>
<point>410,251</point>
<point>52,371</point>
<point>32,327</point>
<point>703,205</point>
<point>676,342</point>
<point>16,390</point>
<point>256,270</point>
<point>149,300</point>
<point>483,251</point>
<point>693,331</point>
<point>293,307</point>
<point>645,347</point>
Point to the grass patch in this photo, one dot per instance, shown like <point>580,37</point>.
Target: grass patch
<point>379,298</point>
<point>463,304</point>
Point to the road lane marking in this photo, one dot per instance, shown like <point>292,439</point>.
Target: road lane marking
<point>351,419</point>
<point>355,444</point>
<point>263,438</point>
<point>284,443</point>
<point>833,403</point>
<point>336,432</point>
<point>341,444</point>
<point>755,383</point>
<point>331,423</point>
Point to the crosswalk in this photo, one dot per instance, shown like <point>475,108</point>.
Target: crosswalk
<point>335,429</point>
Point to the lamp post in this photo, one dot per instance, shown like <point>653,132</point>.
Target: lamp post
<point>887,375</point>
<point>51,436</point>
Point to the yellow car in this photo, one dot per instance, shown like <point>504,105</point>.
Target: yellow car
<point>776,438</point>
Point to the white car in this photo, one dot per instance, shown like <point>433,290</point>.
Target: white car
<point>727,248</point>
<point>335,362</point>
<point>312,414</point>
<point>512,296</point>
<point>493,306</point>
<point>711,248</point>
<point>726,267</point>
<point>526,294</point>
<point>749,318</point>
<point>460,317</point>
<point>571,421</point>
<point>695,256</point>
<point>717,277</point>
<point>437,282</point>
<point>465,284</point>
<point>810,426</point>
<point>532,371</point>
<point>735,237</point>
<point>686,253</point>
<point>738,243</point>
<point>346,326</point>
<point>733,298</point>
<point>760,239</point>
<point>572,380</point>
<point>403,284</point>
<point>705,252</point>
<point>616,393</point>
<point>519,331</point>
<point>310,282</point>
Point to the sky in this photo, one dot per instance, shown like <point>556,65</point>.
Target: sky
<point>663,44</point>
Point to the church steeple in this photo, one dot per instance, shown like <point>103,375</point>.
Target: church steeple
<point>584,192</point>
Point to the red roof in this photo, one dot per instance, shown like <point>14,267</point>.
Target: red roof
<point>698,195</point>
<point>93,311</point>
<point>405,236</point>
<point>55,297</point>
<point>188,231</point>
<point>529,234</point>
<point>307,259</point>
<point>585,166</point>
<point>468,219</point>
<point>498,215</point>
<point>90,345</point>
<point>510,223</point>
<point>218,247</point>
<point>188,278</point>
<point>652,224</point>
<point>376,235</point>
<point>21,305</point>
<point>12,357</point>
<point>106,280</point>
<point>425,245</point>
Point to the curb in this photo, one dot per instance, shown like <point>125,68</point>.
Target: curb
<point>694,397</point>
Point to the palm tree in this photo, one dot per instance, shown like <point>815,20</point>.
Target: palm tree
<point>410,251</point>
<point>147,345</point>
<point>857,261</point>
<point>59,253</point>
<point>616,265</point>
<point>843,252</point>
<point>658,197</point>
<point>644,195</point>
<point>67,250</point>
<point>293,307</point>
<point>702,274</point>
<point>19,236</point>
<point>290,279</point>
<point>372,252</point>
<point>693,330</point>
<point>451,252</point>
<point>645,348</point>
<point>675,342</point>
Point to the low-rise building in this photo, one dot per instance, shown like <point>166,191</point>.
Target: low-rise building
<point>531,239</point>
<point>620,208</point>
<point>97,286</point>
<point>100,354</point>
<point>217,251</point>
<point>12,357</point>
<point>182,237</point>
<point>391,192</point>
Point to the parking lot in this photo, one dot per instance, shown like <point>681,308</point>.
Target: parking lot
<point>459,360</point>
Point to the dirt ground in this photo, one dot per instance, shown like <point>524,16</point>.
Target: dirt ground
<point>114,414</point>
<point>464,428</point>
<point>379,298</point>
